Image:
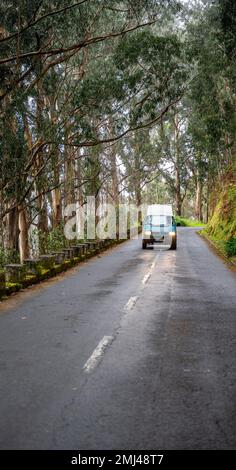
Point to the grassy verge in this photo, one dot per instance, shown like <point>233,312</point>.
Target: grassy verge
<point>189,222</point>
<point>219,244</point>
<point>221,229</point>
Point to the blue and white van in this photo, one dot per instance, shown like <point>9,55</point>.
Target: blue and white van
<point>159,226</point>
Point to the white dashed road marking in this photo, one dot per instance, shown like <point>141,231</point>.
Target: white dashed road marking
<point>131,303</point>
<point>145,279</point>
<point>147,276</point>
<point>95,358</point>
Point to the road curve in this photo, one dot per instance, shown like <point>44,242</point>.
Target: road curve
<point>135,349</point>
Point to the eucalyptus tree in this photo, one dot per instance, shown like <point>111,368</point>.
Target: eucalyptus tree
<point>68,69</point>
<point>210,97</point>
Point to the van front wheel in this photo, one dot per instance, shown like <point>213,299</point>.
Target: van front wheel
<point>173,245</point>
<point>144,245</point>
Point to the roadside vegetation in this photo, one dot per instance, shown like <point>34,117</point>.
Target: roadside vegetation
<point>183,222</point>
<point>221,229</point>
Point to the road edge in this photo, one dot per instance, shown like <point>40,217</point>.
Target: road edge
<point>216,250</point>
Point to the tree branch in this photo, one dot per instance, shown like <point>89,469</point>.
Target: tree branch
<point>131,129</point>
<point>30,25</point>
<point>76,46</point>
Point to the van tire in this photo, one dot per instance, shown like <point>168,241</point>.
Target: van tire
<point>144,245</point>
<point>173,245</point>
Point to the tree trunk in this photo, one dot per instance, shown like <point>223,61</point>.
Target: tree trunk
<point>198,201</point>
<point>115,185</point>
<point>13,230</point>
<point>78,175</point>
<point>137,184</point>
<point>40,185</point>
<point>43,215</point>
<point>41,199</point>
<point>207,200</point>
<point>23,234</point>
<point>56,167</point>
<point>69,176</point>
<point>114,176</point>
<point>178,199</point>
<point>56,207</point>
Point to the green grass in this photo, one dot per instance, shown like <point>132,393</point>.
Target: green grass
<point>12,287</point>
<point>227,247</point>
<point>189,222</point>
<point>220,245</point>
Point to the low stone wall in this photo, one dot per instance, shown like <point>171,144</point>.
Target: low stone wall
<point>17,276</point>
<point>15,273</point>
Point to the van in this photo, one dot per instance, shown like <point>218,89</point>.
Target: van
<point>159,226</point>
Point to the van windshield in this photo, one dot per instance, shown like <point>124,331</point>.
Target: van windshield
<point>158,220</point>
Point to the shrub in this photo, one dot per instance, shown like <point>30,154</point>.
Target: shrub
<point>52,241</point>
<point>56,239</point>
<point>230,247</point>
<point>8,257</point>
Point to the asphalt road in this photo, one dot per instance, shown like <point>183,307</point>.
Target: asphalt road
<point>135,349</point>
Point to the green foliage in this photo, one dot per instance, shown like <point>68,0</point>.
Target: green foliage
<point>151,63</point>
<point>230,247</point>
<point>223,222</point>
<point>53,241</point>
<point>56,239</point>
<point>221,229</point>
<point>227,14</point>
<point>13,286</point>
<point>8,257</point>
<point>183,222</point>
<point>12,154</point>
